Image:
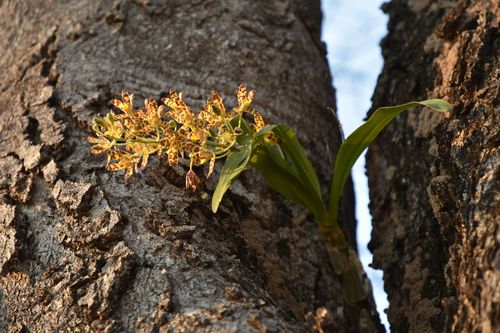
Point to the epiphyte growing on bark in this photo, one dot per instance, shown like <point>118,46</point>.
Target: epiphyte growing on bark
<point>131,136</point>
<point>274,150</point>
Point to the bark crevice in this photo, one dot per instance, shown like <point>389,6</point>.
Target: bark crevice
<point>433,177</point>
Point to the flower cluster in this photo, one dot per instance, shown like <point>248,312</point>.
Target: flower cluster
<point>172,130</point>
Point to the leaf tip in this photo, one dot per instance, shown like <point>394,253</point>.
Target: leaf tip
<point>215,205</point>
<point>438,105</point>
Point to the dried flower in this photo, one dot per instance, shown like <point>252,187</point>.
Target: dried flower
<point>192,181</point>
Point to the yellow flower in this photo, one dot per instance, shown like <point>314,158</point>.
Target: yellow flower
<point>173,156</point>
<point>113,128</point>
<point>126,105</point>
<point>125,161</point>
<point>180,112</point>
<point>152,113</point>
<point>201,156</point>
<point>214,112</point>
<point>100,143</point>
<point>244,100</point>
<point>132,136</point>
<point>258,122</point>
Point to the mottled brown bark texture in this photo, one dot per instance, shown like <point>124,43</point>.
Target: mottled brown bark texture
<point>434,178</point>
<point>85,250</point>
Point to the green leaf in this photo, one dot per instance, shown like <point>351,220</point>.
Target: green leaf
<point>235,163</point>
<point>354,145</point>
<point>295,155</point>
<point>264,131</point>
<point>294,151</point>
<point>281,177</point>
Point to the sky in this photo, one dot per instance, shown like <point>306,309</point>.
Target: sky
<point>352,30</point>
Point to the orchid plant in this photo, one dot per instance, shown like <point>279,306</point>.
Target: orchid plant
<point>243,140</point>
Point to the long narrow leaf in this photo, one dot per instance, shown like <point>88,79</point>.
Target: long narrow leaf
<point>354,145</point>
<point>280,177</point>
<point>264,131</point>
<point>235,164</point>
<point>294,151</point>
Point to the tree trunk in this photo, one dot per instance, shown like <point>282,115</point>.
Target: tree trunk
<point>86,250</point>
<point>434,178</point>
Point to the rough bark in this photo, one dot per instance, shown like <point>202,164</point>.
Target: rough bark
<point>86,250</point>
<point>434,178</point>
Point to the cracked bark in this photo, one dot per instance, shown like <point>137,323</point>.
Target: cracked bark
<point>434,179</point>
<point>85,250</point>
